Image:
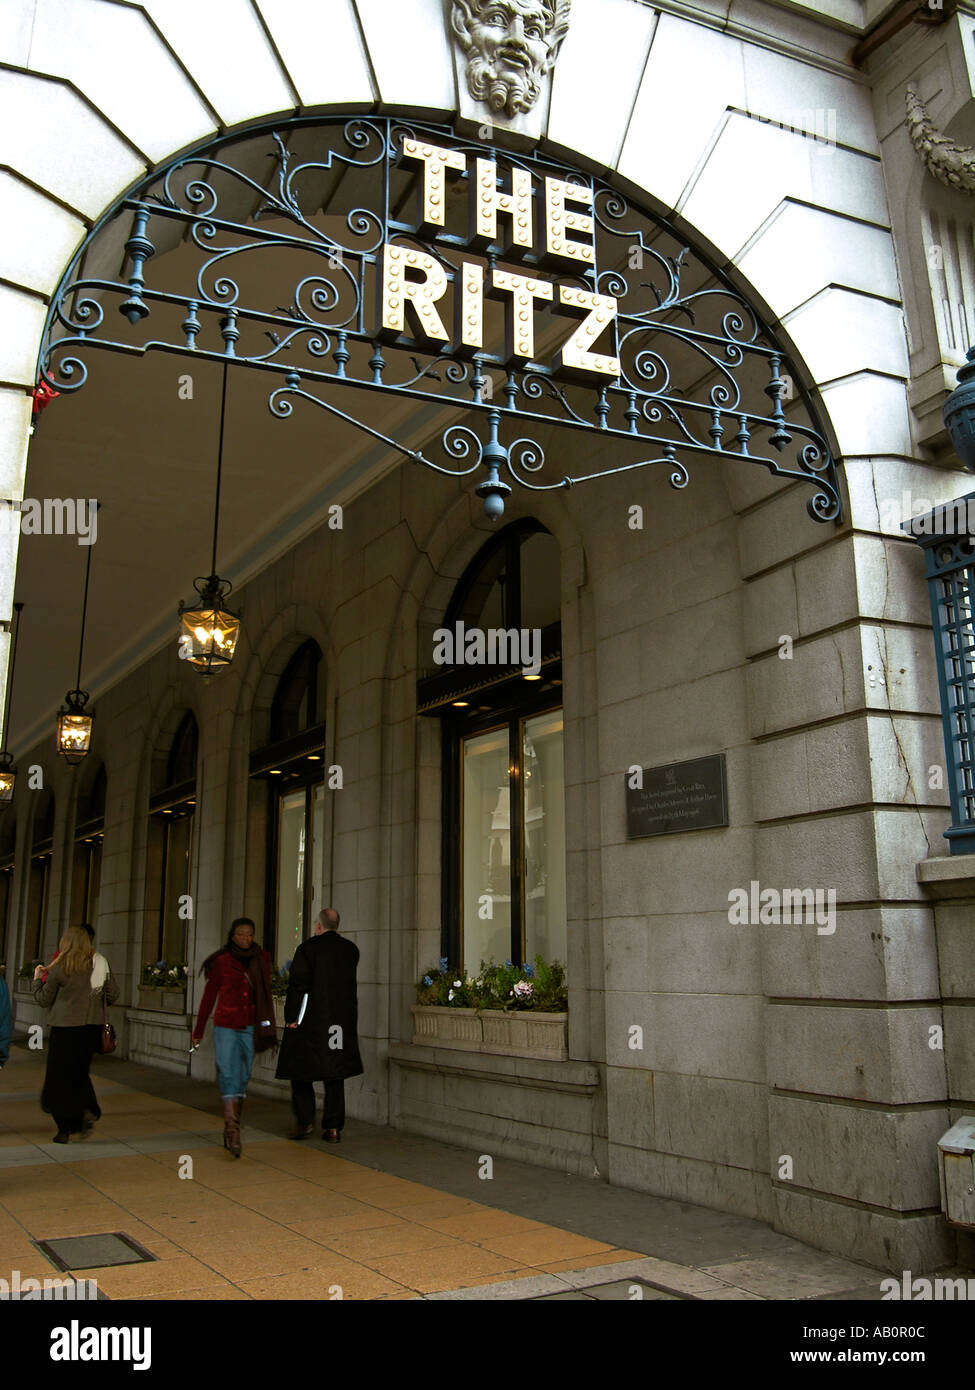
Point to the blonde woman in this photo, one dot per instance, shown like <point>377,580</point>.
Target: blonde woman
<point>73,987</point>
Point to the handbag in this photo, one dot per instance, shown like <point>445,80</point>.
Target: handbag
<point>107,1041</point>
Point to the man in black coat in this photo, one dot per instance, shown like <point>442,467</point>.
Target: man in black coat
<point>320,1042</point>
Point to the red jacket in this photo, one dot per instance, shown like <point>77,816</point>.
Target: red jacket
<point>229,987</point>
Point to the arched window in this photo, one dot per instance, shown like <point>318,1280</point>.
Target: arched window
<point>292,765</point>
<point>294,709</point>
<point>498,694</point>
<point>86,871</point>
<point>172,809</point>
<point>42,844</point>
<point>181,763</point>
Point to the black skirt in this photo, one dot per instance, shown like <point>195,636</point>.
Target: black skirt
<point>68,1092</point>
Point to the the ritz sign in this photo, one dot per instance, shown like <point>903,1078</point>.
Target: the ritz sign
<point>553,224</point>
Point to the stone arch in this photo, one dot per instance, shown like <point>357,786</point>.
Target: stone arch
<point>450,542</point>
<point>701,150</point>
<point>269,655</point>
<point>116,134</point>
<point>165,719</point>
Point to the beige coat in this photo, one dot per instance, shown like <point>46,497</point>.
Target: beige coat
<point>71,999</point>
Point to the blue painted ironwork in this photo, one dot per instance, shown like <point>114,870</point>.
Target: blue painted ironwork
<point>947,536</point>
<point>695,357</point>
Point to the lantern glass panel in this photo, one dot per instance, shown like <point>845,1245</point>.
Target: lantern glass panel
<point>208,637</point>
<point>74,735</point>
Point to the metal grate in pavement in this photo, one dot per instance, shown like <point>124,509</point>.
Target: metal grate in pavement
<point>94,1252</point>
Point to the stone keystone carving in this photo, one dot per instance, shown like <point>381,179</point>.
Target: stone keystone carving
<point>953,165</point>
<point>510,46</point>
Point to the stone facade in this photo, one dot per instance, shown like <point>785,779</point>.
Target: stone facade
<point>761,1043</point>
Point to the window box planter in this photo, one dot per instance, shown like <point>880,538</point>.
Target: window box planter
<point>523,1034</point>
<point>168,1001</point>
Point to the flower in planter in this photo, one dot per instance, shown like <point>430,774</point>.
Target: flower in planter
<point>522,990</point>
<point>427,980</point>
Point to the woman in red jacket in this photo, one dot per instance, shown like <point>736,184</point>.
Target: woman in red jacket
<point>239,982</point>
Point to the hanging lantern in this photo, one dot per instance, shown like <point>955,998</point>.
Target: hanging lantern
<point>74,728</point>
<point>74,725</point>
<point>8,777</point>
<point>208,631</point>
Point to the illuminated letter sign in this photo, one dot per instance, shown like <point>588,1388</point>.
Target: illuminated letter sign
<point>422,294</point>
<point>559,230</point>
<point>433,193</point>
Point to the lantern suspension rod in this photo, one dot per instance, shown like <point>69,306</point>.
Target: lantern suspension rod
<point>216,501</point>
<point>10,675</point>
<point>84,612</point>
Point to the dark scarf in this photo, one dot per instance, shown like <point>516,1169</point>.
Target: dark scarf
<point>263,1003</point>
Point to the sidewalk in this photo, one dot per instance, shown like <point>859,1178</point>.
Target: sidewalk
<point>383,1216</point>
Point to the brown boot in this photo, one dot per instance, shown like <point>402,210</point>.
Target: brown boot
<point>231,1126</point>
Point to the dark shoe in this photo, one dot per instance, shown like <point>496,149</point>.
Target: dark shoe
<point>302,1132</point>
<point>231,1126</point>
<point>61,1137</point>
<point>331,1136</point>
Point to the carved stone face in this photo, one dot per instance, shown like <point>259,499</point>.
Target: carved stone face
<point>510,45</point>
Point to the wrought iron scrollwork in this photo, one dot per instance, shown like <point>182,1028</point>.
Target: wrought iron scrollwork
<point>699,372</point>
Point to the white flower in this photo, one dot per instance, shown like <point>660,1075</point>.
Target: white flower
<point>457,984</point>
<point>450,994</point>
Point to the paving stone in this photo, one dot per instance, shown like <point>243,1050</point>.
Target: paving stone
<point>558,1297</point>
<point>395,1217</point>
<point>791,1274</point>
<point>625,1291</point>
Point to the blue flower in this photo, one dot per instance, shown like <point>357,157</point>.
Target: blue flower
<point>443,965</point>
<point>427,980</point>
<point>160,964</point>
<point>286,967</point>
<point>529,971</point>
<point>508,964</point>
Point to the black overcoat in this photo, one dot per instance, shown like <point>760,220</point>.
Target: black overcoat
<point>323,968</point>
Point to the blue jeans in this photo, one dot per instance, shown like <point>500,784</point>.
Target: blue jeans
<point>235,1057</point>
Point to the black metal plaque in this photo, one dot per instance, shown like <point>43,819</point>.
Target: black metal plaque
<point>677,797</point>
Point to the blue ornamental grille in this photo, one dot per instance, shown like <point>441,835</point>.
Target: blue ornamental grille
<point>949,559</point>
<point>954,617</point>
